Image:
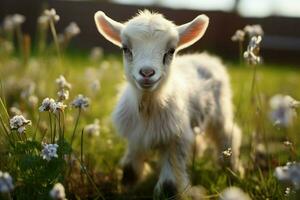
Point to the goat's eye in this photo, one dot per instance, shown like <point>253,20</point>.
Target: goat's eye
<point>171,51</point>
<point>126,50</point>
<point>168,55</point>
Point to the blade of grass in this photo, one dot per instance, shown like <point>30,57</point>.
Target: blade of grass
<point>3,111</point>
<point>2,93</point>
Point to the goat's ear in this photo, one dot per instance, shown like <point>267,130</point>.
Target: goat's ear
<point>109,28</point>
<point>191,32</point>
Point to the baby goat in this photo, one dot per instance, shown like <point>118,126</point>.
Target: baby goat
<point>167,96</point>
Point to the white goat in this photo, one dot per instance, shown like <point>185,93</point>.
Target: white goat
<point>167,96</point>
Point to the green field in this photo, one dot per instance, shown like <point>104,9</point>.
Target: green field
<point>90,169</point>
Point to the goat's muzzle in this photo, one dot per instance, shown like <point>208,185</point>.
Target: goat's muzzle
<point>147,83</point>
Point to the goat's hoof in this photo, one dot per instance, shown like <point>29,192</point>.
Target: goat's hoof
<point>129,176</point>
<point>166,190</point>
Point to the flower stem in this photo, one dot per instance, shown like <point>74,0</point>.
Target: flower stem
<point>75,127</point>
<point>20,39</point>
<point>241,51</point>
<point>63,125</point>
<point>81,154</point>
<point>50,121</point>
<point>53,30</point>
<point>43,135</point>
<point>59,126</point>
<point>258,117</point>
<point>42,33</point>
<point>25,136</point>
<point>19,136</point>
<point>253,85</point>
<point>293,152</point>
<point>81,146</point>
<point>54,129</point>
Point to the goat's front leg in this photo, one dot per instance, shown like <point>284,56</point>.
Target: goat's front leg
<point>133,165</point>
<point>173,177</point>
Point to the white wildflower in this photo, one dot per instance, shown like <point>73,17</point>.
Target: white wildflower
<point>288,143</point>
<point>18,19</point>
<point>33,100</point>
<point>51,14</point>
<point>12,21</point>
<point>62,82</point>
<point>63,95</point>
<point>80,101</point>
<point>47,104</point>
<point>43,20</point>
<point>95,85</point>
<point>287,191</point>
<point>51,105</point>
<point>6,182</point>
<point>72,30</point>
<point>255,42</point>
<point>234,193</point>
<point>283,109</point>
<point>277,124</point>
<point>28,90</point>
<point>93,129</point>
<point>49,151</point>
<point>197,130</point>
<point>227,152</point>
<point>18,123</point>
<point>96,53</point>
<point>57,106</point>
<point>251,57</point>
<point>8,23</point>
<point>239,35</point>
<point>253,30</point>
<point>15,111</point>
<point>196,192</point>
<point>58,192</point>
<point>21,129</point>
<point>252,52</point>
<point>290,173</point>
<point>292,102</point>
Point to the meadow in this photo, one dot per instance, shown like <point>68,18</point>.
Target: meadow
<point>87,159</point>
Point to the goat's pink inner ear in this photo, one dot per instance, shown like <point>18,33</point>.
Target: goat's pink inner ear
<point>109,28</point>
<point>191,32</point>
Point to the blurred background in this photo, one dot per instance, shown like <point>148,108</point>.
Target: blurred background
<point>280,20</point>
<point>37,55</point>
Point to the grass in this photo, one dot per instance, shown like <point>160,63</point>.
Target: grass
<point>89,167</point>
<point>100,155</point>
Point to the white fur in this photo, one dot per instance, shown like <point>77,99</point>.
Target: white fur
<point>191,90</point>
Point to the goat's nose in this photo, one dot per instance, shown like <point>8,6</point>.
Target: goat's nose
<point>147,72</point>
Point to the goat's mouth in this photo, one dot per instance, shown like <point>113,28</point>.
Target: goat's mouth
<point>147,84</point>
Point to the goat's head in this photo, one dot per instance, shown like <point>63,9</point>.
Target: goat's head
<point>149,42</point>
